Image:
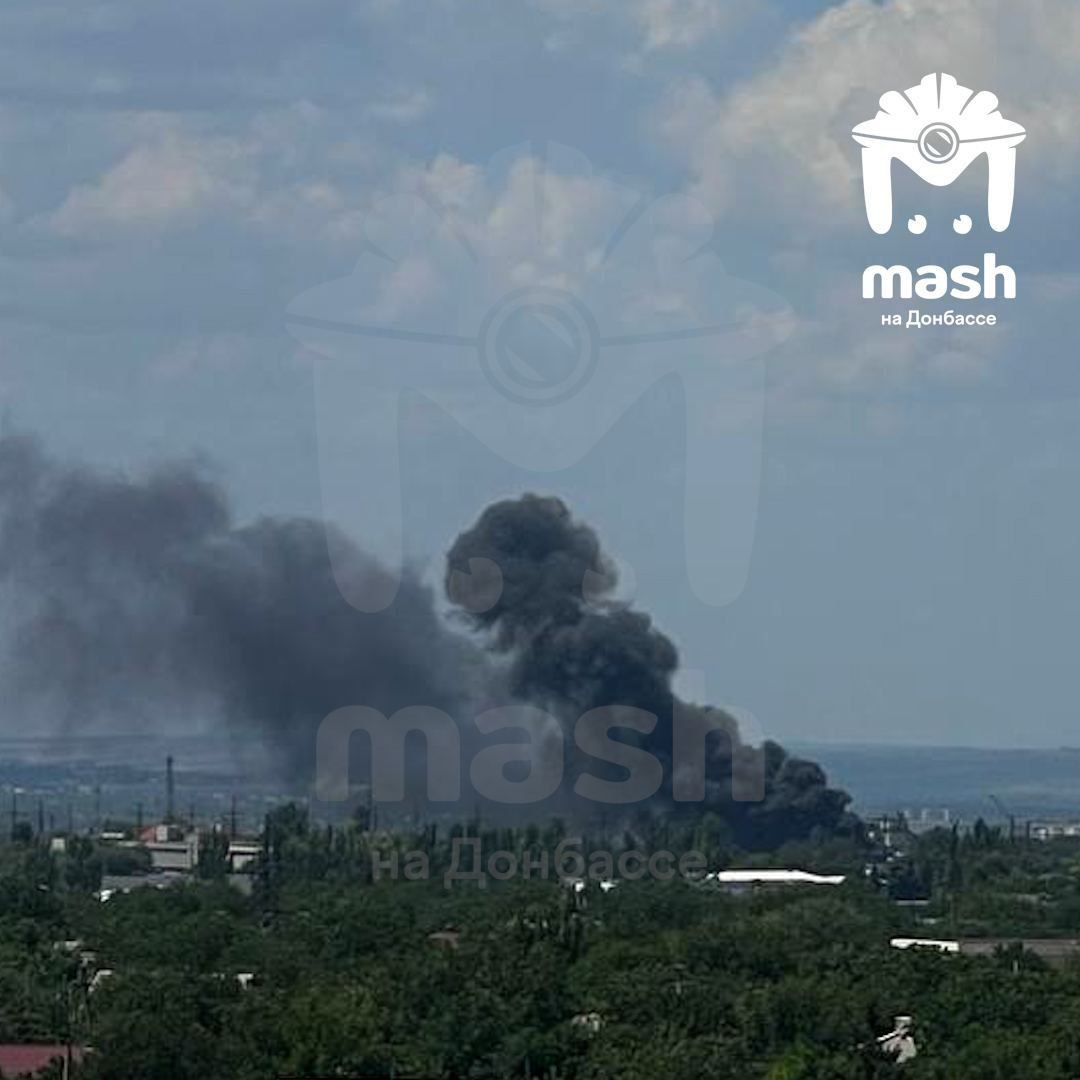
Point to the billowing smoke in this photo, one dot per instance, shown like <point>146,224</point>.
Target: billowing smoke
<point>537,583</point>
<point>137,603</point>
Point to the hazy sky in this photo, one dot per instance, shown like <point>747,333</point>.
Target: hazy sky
<point>173,176</point>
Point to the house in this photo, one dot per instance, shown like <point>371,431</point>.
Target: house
<point>899,1044</point>
<point>242,854</point>
<point>589,1023</point>
<point>30,1059</point>
<point>1053,830</point>
<point>182,855</point>
<point>170,846</point>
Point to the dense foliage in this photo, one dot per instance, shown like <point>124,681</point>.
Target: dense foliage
<point>356,977</point>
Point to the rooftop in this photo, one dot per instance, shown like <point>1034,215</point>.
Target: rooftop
<point>773,877</point>
<point>28,1059</point>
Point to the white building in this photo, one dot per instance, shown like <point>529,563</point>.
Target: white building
<point>180,854</point>
<point>738,881</point>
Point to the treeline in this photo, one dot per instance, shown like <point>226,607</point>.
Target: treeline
<point>296,850</point>
<point>534,979</point>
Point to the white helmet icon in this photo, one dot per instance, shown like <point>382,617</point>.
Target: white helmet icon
<point>938,129</point>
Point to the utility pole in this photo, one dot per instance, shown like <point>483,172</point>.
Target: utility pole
<point>41,816</point>
<point>232,818</point>
<point>170,790</point>
<point>14,810</point>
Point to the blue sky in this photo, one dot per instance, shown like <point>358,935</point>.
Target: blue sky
<point>171,178</point>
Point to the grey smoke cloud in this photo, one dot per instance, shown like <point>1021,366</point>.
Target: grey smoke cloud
<point>573,648</point>
<point>132,600</point>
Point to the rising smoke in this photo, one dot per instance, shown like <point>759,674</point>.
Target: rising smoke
<point>137,604</point>
<point>133,603</point>
<point>573,648</point>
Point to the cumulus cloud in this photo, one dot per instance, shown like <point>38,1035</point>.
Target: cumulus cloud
<point>772,156</point>
<point>452,236</point>
<point>281,191</point>
<point>532,219</point>
<point>785,132</point>
<point>215,216</point>
<point>172,178</point>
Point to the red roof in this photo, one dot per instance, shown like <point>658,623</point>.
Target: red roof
<point>26,1059</point>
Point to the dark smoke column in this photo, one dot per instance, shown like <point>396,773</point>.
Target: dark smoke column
<point>537,584</point>
<point>135,602</point>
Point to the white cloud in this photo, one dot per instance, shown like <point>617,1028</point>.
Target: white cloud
<point>786,129</point>
<point>773,155</point>
<point>294,176</point>
<point>537,219</point>
<point>171,178</point>
<point>681,23</point>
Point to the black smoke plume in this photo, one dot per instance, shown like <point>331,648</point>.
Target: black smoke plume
<point>136,603</point>
<point>573,648</point>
